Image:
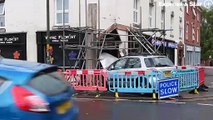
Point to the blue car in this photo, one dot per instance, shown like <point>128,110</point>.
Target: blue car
<point>34,91</point>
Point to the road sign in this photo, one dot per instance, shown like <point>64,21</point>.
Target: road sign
<point>168,88</point>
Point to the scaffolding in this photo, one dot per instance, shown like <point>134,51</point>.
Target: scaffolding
<point>97,41</point>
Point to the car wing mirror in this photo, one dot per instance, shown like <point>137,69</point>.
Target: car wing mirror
<point>112,67</point>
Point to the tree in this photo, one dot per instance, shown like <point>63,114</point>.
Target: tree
<point>207,33</point>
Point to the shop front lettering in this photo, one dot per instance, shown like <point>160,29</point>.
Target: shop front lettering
<point>61,38</point>
<point>159,43</point>
<point>8,40</point>
<point>172,45</point>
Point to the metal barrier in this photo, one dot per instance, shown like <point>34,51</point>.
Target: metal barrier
<point>133,82</point>
<point>188,79</point>
<point>90,80</point>
<point>201,75</point>
<point>201,72</point>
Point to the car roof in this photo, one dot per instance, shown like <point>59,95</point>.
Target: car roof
<point>144,56</point>
<point>20,70</point>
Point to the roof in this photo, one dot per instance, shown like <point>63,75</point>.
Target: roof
<point>20,70</point>
<point>144,56</point>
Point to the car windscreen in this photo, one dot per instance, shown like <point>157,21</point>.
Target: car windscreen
<point>50,84</point>
<point>158,62</point>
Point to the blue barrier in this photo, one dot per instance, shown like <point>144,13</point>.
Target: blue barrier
<point>188,79</point>
<point>132,83</point>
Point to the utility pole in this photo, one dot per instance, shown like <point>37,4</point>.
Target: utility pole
<point>48,31</point>
<point>86,13</point>
<point>63,41</point>
<point>79,13</point>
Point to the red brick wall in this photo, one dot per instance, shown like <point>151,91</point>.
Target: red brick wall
<point>192,20</point>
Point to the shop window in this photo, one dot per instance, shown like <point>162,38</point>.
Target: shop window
<point>62,12</point>
<point>2,15</point>
<point>136,11</point>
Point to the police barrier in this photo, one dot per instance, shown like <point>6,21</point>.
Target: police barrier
<point>188,79</point>
<point>133,82</point>
<point>201,72</point>
<point>89,80</point>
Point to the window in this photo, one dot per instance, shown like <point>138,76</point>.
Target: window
<point>198,17</point>
<point>171,25</point>
<point>187,30</point>
<point>193,33</point>
<point>187,9</point>
<point>162,17</point>
<point>193,11</point>
<point>136,11</point>
<point>180,28</point>
<point>180,31</point>
<point>2,81</point>
<point>120,64</point>
<point>47,82</point>
<point>150,15</point>
<point>198,35</point>
<point>158,62</point>
<point>134,63</point>
<point>62,12</point>
<point>2,15</point>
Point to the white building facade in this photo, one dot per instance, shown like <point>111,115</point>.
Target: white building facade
<point>24,23</point>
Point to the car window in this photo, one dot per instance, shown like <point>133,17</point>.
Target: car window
<point>49,83</point>
<point>134,63</point>
<point>2,81</point>
<point>158,62</point>
<point>120,64</point>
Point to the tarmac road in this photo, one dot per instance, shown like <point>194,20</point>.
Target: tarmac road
<point>188,107</point>
<point>137,110</point>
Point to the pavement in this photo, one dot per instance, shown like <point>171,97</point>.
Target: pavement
<point>183,96</point>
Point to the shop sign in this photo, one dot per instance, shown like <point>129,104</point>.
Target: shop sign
<point>197,49</point>
<point>56,37</point>
<point>12,38</point>
<point>61,38</point>
<point>189,48</point>
<point>159,43</point>
<point>164,43</point>
<point>172,45</point>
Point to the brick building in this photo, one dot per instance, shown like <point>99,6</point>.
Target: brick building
<point>192,34</point>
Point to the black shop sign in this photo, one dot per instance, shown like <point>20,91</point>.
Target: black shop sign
<point>57,37</point>
<point>19,38</point>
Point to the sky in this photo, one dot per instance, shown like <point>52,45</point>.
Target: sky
<point>206,2</point>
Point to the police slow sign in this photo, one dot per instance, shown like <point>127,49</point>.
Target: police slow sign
<point>168,88</point>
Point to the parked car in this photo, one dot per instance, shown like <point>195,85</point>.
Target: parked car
<point>142,63</point>
<point>34,91</point>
